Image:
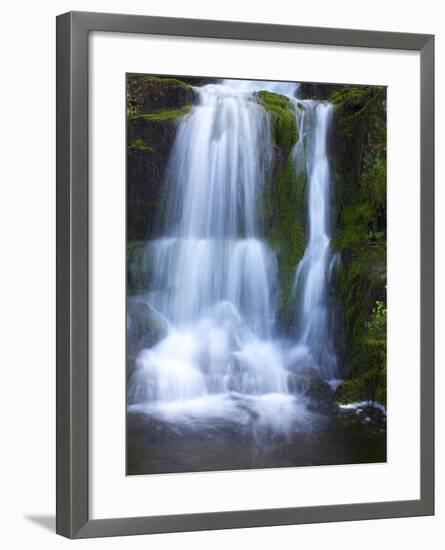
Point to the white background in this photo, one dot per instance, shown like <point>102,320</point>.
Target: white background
<point>27,299</point>
<point>114,495</point>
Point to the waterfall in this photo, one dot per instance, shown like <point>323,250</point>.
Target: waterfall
<point>211,254</point>
<point>289,89</point>
<point>313,274</point>
<point>215,278</point>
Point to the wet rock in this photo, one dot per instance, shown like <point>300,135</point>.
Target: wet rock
<point>145,328</point>
<point>312,386</point>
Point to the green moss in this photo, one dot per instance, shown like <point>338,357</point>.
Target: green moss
<point>272,100</point>
<point>370,383</point>
<point>167,81</point>
<point>373,183</point>
<point>361,289</point>
<point>360,279</point>
<point>281,113</point>
<point>371,386</point>
<point>154,94</point>
<point>284,212</point>
<point>354,223</point>
<point>360,283</point>
<point>284,199</point>
<point>353,95</point>
<point>140,145</point>
<point>163,115</point>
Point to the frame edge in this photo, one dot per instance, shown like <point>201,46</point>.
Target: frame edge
<point>63,264</point>
<point>427,139</point>
<point>71,275</point>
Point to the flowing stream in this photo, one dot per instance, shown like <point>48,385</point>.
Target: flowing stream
<point>313,275</point>
<point>223,364</point>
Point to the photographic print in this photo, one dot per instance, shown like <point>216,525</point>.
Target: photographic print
<point>256,274</point>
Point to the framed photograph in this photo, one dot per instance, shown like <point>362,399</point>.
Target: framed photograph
<point>244,275</point>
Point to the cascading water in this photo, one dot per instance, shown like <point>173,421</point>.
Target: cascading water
<point>215,280</point>
<point>289,89</point>
<point>212,254</point>
<point>313,274</point>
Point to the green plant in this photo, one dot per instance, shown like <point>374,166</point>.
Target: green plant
<point>377,321</point>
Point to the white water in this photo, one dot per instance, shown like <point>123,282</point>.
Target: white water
<point>216,279</point>
<point>289,89</point>
<point>313,274</point>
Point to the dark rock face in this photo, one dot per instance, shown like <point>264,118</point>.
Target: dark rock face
<point>154,107</point>
<point>317,90</point>
<point>146,171</point>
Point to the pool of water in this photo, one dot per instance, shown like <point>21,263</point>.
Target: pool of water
<point>243,435</point>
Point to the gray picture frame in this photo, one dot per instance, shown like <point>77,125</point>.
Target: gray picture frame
<point>73,519</point>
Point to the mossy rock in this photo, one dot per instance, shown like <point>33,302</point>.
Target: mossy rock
<point>282,116</point>
<point>163,114</point>
<point>359,156</point>
<point>284,210</point>
<point>149,94</point>
<point>140,145</point>
<point>352,95</point>
<point>370,386</point>
<point>312,386</point>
